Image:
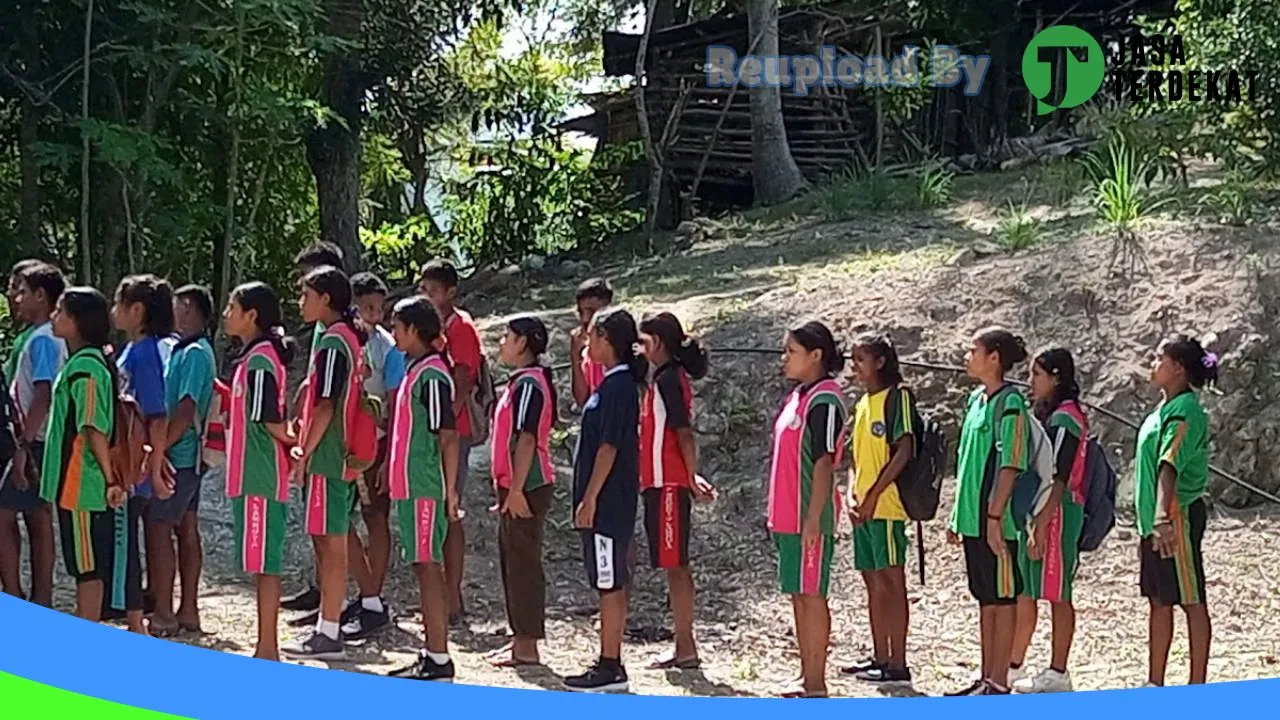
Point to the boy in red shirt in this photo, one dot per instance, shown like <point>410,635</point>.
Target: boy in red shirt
<point>439,283</point>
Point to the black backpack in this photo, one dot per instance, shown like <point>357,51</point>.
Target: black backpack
<point>1099,498</point>
<point>920,483</point>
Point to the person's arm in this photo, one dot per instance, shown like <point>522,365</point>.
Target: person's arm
<point>902,445</point>
<point>585,516</point>
<point>528,404</point>
<point>671,391</point>
<point>330,379</point>
<point>195,382</point>
<point>466,366</point>
<point>577,373</point>
<point>1015,437</point>
<point>1173,438</point>
<point>263,400</point>
<point>36,416</point>
<point>184,416</point>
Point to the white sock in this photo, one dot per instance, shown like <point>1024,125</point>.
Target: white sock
<point>372,604</point>
<point>327,628</point>
<point>437,658</point>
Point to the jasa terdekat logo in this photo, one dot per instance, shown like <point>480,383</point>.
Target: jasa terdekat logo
<point>1134,67</point>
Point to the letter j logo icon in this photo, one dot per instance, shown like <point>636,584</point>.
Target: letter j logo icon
<point>1080,56</point>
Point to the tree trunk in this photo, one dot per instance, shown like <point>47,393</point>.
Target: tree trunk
<point>86,260</point>
<point>333,149</point>
<point>28,136</point>
<point>654,195</point>
<point>774,173</point>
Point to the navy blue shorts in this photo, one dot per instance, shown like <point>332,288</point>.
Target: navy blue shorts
<point>607,560</point>
<point>24,501</point>
<point>185,498</point>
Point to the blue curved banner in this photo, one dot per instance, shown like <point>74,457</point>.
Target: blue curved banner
<point>95,661</point>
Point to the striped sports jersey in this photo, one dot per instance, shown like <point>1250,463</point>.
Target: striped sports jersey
<point>996,434</point>
<point>873,441</point>
<point>1072,446</point>
<point>526,405</point>
<point>423,407</point>
<point>667,406</point>
<point>335,375</point>
<point>1175,433</point>
<point>592,371</point>
<point>807,429</point>
<point>257,463</point>
<point>83,397</point>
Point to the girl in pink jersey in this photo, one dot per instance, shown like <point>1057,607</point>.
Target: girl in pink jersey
<point>258,443</point>
<point>523,476</point>
<point>802,508</point>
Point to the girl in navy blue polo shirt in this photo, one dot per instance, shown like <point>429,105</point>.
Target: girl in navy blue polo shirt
<point>606,480</point>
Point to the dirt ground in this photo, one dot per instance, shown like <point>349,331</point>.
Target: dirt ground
<point>929,279</point>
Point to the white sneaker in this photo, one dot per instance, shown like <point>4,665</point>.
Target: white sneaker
<point>1048,681</point>
<point>1017,674</point>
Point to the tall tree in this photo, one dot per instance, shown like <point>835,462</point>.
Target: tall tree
<point>774,172</point>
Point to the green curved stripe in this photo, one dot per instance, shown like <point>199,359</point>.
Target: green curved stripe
<point>45,701</point>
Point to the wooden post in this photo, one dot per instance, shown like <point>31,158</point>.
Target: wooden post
<point>879,92</point>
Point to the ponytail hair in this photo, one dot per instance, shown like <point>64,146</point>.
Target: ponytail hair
<point>1011,348</point>
<point>619,329</point>
<point>534,332</point>
<point>263,300</point>
<point>1200,365</point>
<point>1058,362</point>
<point>686,351</point>
<point>813,335</point>
<point>329,280</point>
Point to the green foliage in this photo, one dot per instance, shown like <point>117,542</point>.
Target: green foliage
<point>1016,229</point>
<point>933,188</point>
<point>1231,202</point>
<point>1121,187</point>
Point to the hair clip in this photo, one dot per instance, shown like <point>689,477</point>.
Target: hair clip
<point>1210,360</point>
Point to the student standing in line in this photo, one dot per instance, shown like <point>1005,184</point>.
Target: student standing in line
<point>669,480</point>
<point>1050,552</point>
<point>23,330</point>
<point>188,384</point>
<point>36,362</point>
<point>143,311</point>
<point>313,256</point>
<point>1172,469</point>
<point>585,374</point>
<point>883,442</point>
<point>258,443</point>
<point>333,384</point>
<point>994,448</point>
<point>421,475</point>
<point>606,479</point>
<point>522,476</point>
<point>439,283</point>
<point>98,547</point>
<point>386,369</point>
<point>802,509</point>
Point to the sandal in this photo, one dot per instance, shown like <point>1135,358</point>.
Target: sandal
<point>510,661</point>
<point>163,631</point>
<point>669,661</point>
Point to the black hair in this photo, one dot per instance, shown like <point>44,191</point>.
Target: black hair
<point>15,273</point>
<point>319,255</point>
<point>1058,362</point>
<point>880,346</point>
<point>199,296</point>
<point>686,351</point>
<point>329,280</point>
<point>619,330</point>
<point>1200,365</point>
<point>418,313</point>
<point>156,296</point>
<point>597,288</point>
<point>813,335</point>
<point>441,271</point>
<point>534,332</point>
<point>366,283</point>
<point>1011,348</point>
<point>41,276</point>
<point>262,299</point>
<point>91,313</point>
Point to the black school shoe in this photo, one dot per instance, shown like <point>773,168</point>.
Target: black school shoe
<point>305,601</point>
<point>309,619</point>
<point>364,623</point>
<point>603,676</point>
<point>425,669</point>
<point>885,675</point>
<point>990,688</point>
<point>315,646</point>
